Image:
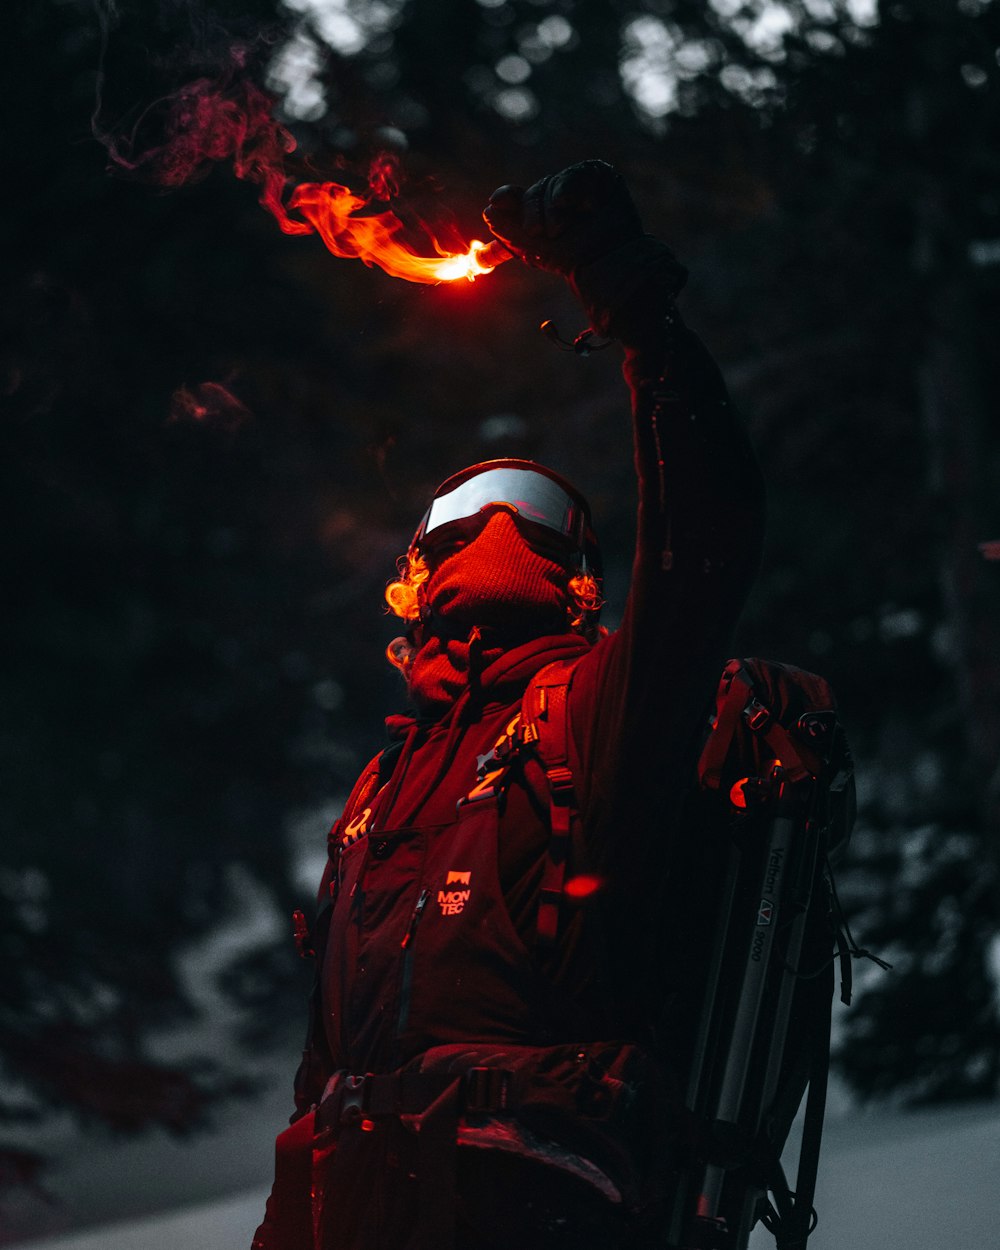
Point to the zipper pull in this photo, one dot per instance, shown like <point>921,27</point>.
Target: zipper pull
<point>303,938</point>
<point>418,911</point>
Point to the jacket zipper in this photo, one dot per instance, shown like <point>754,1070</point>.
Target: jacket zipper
<point>406,945</point>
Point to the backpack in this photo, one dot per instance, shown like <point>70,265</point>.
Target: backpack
<point>772,810</point>
<point>776,803</point>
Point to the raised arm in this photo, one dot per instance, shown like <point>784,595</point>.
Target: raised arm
<point>637,699</point>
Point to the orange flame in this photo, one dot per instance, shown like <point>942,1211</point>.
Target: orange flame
<point>338,217</point>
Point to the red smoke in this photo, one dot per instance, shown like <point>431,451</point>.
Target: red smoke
<point>205,122</point>
<point>208,401</point>
<point>383,176</point>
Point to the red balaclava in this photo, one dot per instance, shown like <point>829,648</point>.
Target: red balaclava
<point>497,584</point>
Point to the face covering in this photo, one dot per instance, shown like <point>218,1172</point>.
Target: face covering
<point>496,583</point>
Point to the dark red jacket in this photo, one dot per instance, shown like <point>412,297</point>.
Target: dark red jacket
<point>636,708</point>
<point>430,938</point>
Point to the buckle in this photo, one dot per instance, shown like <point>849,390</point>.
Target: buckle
<point>758,716</point>
<point>816,726</point>
<point>353,1099</point>
<point>486,1090</point>
<point>500,752</point>
<point>560,781</point>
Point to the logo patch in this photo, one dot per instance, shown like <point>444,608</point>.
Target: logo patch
<point>452,902</point>
<point>764,913</point>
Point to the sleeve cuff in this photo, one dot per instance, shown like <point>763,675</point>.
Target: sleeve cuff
<point>643,271</point>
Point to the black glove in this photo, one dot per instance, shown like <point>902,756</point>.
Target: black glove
<point>567,219</point>
<point>581,223</point>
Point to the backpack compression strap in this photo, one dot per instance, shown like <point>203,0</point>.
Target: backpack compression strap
<point>739,697</point>
<point>545,728</point>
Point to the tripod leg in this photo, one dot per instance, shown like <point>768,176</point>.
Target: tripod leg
<point>738,1069</point>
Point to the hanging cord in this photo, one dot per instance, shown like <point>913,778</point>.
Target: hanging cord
<point>847,947</point>
<point>475,687</point>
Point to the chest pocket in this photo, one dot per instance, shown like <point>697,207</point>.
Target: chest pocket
<point>465,971</point>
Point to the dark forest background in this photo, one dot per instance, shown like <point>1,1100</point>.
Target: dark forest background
<point>216,440</point>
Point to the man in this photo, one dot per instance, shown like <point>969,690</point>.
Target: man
<point>489,1065</point>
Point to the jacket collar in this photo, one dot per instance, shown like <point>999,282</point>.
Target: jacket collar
<point>502,681</point>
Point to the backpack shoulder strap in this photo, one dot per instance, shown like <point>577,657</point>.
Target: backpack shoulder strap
<point>354,820</point>
<point>730,700</point>
<point>545,729</point>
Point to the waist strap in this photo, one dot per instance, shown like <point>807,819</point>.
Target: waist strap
<point>438,1101</point>
<point>349,1099</point>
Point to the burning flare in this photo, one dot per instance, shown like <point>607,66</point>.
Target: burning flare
<point>209,121</point>
<point>338,216</point>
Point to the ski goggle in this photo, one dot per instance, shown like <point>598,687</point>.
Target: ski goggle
<point>545,511</point>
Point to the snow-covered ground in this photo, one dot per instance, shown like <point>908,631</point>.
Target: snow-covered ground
<point>919,1181</point>
<point>922,1181</point>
